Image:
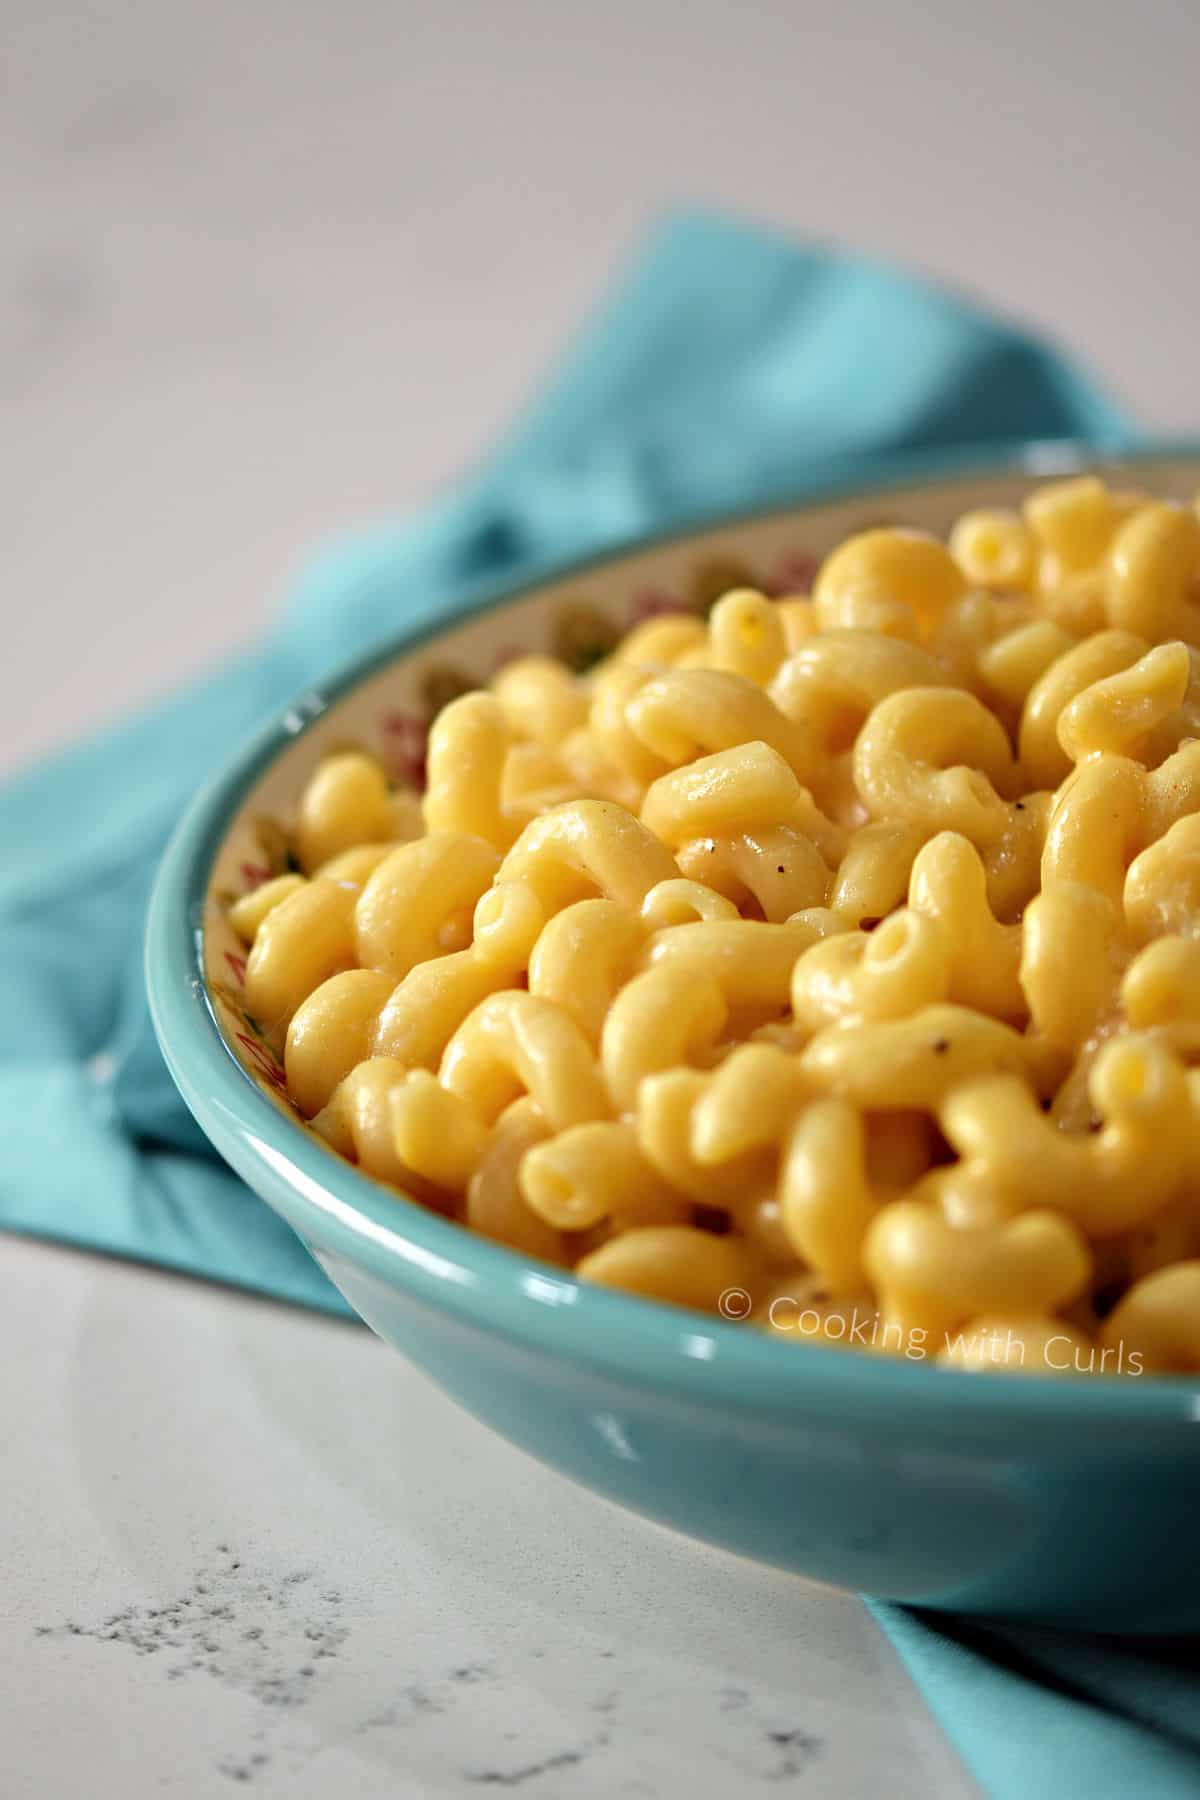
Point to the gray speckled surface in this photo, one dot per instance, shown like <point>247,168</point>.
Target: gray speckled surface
<point>248,1547</point>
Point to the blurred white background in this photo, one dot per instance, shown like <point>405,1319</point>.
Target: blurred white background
<point>270,269</point>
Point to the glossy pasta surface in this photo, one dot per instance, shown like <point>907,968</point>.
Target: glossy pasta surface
<point>831,962</point>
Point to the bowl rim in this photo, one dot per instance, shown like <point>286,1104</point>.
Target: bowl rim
<point>439,1262</point>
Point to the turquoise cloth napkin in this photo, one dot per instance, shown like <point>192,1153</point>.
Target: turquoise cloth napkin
<point>730,367</point>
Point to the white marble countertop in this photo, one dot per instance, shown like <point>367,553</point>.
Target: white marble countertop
<point>267,271</point>
<point>247,1546</point>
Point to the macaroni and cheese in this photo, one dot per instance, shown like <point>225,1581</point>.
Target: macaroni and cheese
<point>832,961</point>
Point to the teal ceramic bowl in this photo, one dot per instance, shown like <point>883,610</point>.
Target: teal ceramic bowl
<point>1067,1501</point>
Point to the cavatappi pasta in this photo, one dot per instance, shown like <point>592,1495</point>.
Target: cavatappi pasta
<point>833,962</point>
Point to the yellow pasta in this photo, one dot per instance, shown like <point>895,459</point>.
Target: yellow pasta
<point>889,973</point>
<point>689,712</point>
<point>678,1263</point>
<point>825,1196</point>
<point>917,1061</point>
<point>932,1276</point>
<point>667,1104</point>
<point>830,963</point>
<point>540,699</point>
<point>779,871</point>
<point>508,922</point>
<point>435,1132</point>
<point>495,1205</point>
<point>1160,990</point>
<point>897,582</point>
<point>359,863</point>
<point>1110,1179</point>
<point>419,901</point>
<point>747,635</point>
<point>432,1001</point>
<point>656,1021</point>
<point>749,788</point>
<point>595,1172</point>
<point>614,689</point>
<point>248,913</point>
<point>831,683</point>
<point>1064,678</point>
<point>331,1031</point>
<point>584,848</point>
<point>873,875</point>
<point>683,902</point>
<point>584,955</point>
<point>1160,1319</point>
<point>1013,663</point>
<point>1118,716</point>
<point>346,803</point>
<point>1073,520</point>
<point>748,1103</point>
<point>465,767</point>
<point>298,945</point>
<point>1071,924</point>
<point>512,1042</point>
<point>948,885</point>
<point>1162,884</point>
<point>936,758</point>
<point>966,632</point>
<point>750,962</point>
<point>1153,564</point>
<point>660,642</point>
<point>358,1122</point>
<point>994,549</point>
